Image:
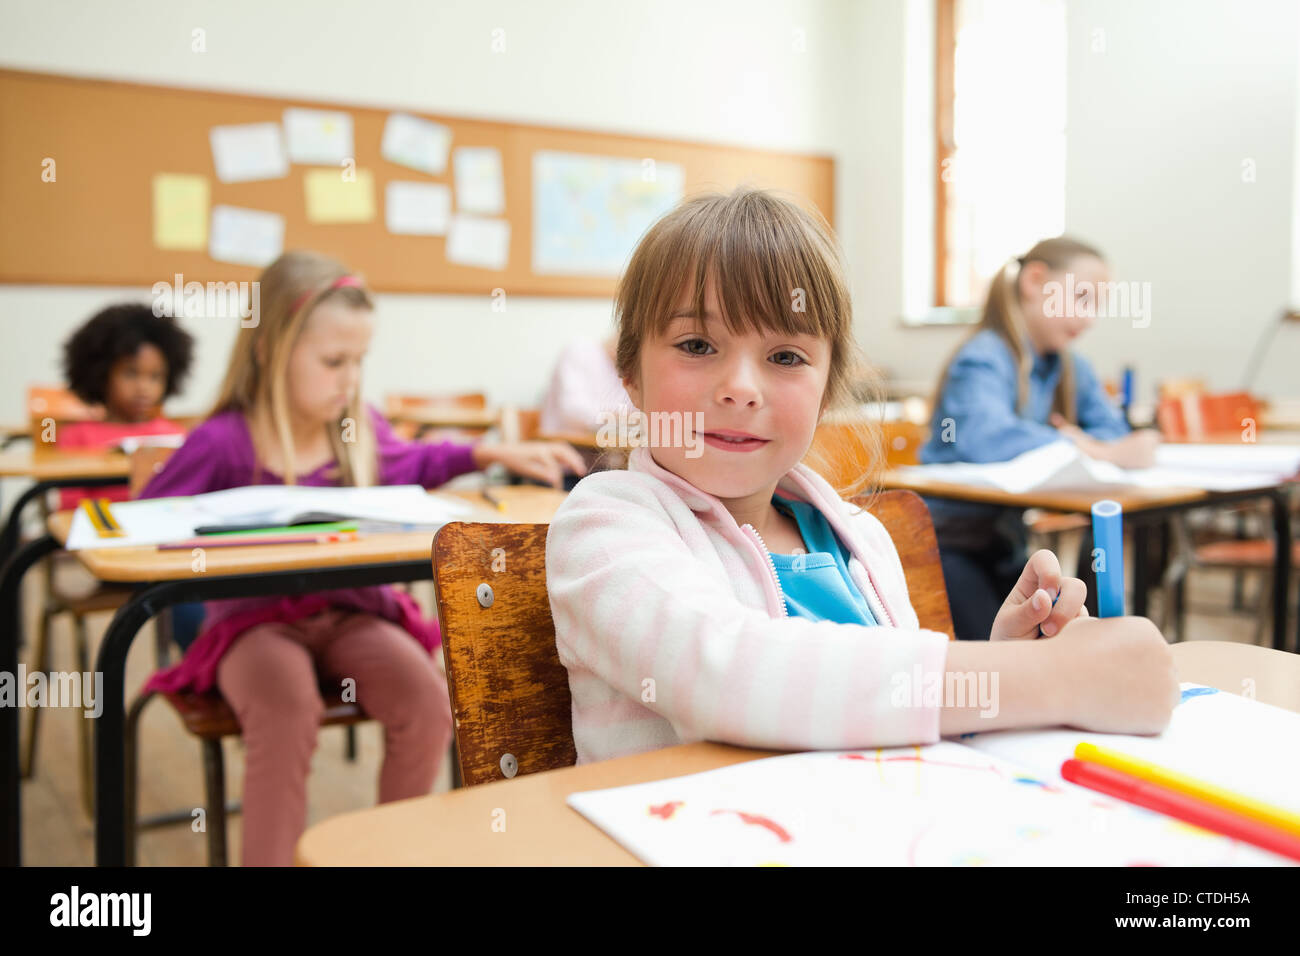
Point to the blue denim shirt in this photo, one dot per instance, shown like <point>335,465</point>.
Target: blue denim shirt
<point>978,412</point>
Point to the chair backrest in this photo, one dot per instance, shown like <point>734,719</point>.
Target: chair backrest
<point>907,519</point>
<point>510,698</point>
<point>840,456</point>
<point>146,462</point>
<point>396,403</point>
<point>1197,416</point>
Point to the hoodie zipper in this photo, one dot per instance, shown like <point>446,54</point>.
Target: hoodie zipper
<point>780,592</point>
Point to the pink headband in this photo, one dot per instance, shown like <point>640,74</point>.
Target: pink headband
<point>338,283</point>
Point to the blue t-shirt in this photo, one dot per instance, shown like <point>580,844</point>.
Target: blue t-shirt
<point>817,585</point>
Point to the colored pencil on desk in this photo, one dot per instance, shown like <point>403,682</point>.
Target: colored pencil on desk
<point>257,541</point>
<point>1130,789</point>
<point>500,504</point>
<point>1277,817</point>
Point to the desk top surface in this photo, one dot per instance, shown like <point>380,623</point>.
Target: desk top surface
<point>524,503</point>
<point>50,463</point>
<point>1131,499</point>
<point>455,828</point>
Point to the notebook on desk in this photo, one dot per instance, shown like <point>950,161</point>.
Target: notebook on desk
<point>1060,465</point>
<point>160,520</point>
<point>988,799</point>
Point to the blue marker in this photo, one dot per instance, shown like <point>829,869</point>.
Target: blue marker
<point>1108,544</point>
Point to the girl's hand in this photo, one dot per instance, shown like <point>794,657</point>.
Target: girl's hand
<point>1028,613</point>
<point>1135,450</point>
<point>1115,675</point>
<point>541,460</point>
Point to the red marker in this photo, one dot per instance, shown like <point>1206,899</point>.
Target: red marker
<point>1131,789</point>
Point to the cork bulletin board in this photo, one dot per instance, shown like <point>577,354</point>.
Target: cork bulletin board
<point>93,223</point>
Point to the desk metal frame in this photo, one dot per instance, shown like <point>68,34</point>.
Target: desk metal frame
<point>149,599</point>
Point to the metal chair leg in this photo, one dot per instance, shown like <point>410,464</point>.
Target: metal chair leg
<point>350,750</point>
<point>42,659</point>
<point>214,777</point>
<point>162,636</point>
<point>85,747</point>
<point>1265,612</point>
<point>132,780</point>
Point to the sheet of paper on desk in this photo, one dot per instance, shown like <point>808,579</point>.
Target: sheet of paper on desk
<point>1217,737</point>
<point>154,521</point>
<point>941,805</point>
<point>1061,465</point>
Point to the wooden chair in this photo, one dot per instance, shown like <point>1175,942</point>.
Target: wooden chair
<point>397,403</point>
<point>1187,413</point>
<point>509,692</point>
<point>208,717</point>
<point>58,403</point>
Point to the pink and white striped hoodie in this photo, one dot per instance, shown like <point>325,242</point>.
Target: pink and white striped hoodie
<point>671,622</point>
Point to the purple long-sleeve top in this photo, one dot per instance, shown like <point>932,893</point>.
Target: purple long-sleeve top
<point>219,454</point>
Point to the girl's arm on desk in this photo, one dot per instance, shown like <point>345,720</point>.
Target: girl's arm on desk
<point>432,464</point>
<point>1134,450</point>
<point>1112,675</point>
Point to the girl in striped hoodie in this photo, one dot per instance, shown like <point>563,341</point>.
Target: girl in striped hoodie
<point>718,589</point>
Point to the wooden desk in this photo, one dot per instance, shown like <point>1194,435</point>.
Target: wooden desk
<point>165,578</point>
<point>455,828</point>
<point>50,468</point>
<point>526,504</point>
<point>1143,508</point>
<point>47,464</point>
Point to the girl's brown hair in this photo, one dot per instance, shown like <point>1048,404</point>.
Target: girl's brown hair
<point>776,268</point>
<point>1004,315</point>
<point>255,383</point>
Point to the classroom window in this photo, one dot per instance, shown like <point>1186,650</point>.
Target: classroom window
<point>997,152</point>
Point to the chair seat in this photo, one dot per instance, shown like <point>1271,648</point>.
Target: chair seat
<point>1252,553</point>
<point>209,716</point>
<point>104,598</point>
<point>1052,523</point>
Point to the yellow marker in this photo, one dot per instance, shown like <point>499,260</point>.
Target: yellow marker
<point>1181,783</point>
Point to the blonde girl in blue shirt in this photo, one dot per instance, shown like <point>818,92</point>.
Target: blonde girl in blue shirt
<point>1015,385</point>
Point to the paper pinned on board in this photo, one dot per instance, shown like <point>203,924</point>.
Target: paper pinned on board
<point>475,241</point>
<point>417,209</point>
<point>249,237</point>
<point>333,198</point>
<point>322,137</point>
<point>1061,465</point>
<point>480,187</point>
<point>158,520</point>
<point>248,152</point>
<point>417,143</point>
<point>180,211</point>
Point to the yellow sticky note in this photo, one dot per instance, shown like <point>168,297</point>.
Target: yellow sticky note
<point>333,198</point>
<point>180,211</point>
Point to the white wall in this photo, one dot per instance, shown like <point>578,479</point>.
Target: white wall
<point>716,71</point>
<point>1158,125</point>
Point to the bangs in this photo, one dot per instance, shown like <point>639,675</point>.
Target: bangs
<point>773,266</point>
